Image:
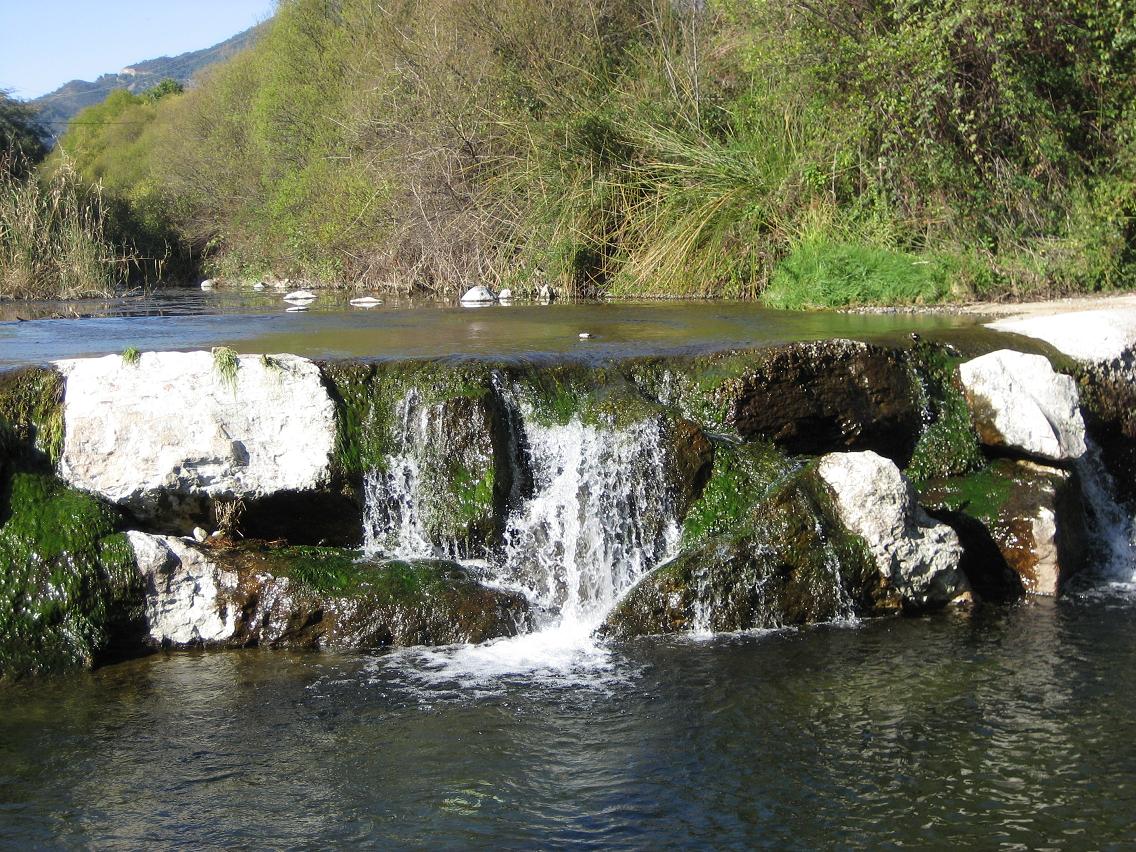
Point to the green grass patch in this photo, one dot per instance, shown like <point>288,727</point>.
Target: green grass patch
<point>821,274</point>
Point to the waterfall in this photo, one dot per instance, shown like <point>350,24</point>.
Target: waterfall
<point>597,517</point>
<point>1111,528</point>
<point>394,524</point>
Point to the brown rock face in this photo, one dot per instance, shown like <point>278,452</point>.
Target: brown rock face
<point>1032,513</point>
<point>692,457</point>
<point>829,396</point>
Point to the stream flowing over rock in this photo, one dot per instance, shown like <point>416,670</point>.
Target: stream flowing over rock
<point>357,505</point>
<point>171,434</point>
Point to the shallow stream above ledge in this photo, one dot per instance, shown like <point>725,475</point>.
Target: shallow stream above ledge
<point>257,323</point>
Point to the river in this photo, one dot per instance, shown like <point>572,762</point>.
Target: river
<point>1010,728</point>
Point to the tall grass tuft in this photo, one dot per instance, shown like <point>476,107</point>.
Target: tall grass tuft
<point>53,237</point>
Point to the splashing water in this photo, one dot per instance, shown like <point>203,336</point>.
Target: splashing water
<point>1111,528</point>
<point>599,516</point>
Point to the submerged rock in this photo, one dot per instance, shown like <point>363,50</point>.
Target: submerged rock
<point>313,597</point>
<point>168,435</point>
<point>813,398</point>
<point>1018,403</point>
<point>917,557</point>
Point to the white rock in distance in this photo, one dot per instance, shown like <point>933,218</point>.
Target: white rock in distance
<point>478,296</point>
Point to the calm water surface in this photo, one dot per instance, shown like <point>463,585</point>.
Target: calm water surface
<point>1013,728</point>
<point>253,322</point>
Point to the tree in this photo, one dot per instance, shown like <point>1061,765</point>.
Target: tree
<point>21,143</point>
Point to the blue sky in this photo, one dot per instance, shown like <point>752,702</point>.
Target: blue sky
<point>45,43</point>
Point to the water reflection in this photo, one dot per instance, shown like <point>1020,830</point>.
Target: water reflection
<point>257,322</point>
<point>1013,727</point>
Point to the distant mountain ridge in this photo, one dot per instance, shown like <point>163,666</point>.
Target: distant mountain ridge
<point>56,108</point>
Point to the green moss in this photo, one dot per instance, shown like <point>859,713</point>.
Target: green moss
<point>982,494</point>
<point>69,585</point>
<point>345,574</point>
<point>949,445</point>
<point>698,387</point>
<point>743,476</point>
<point>31,401</point>
<point>368,397</point>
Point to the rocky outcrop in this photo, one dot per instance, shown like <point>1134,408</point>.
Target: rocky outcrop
<point>831,395</point>
<point>313,598</point>
<point>1033,514</point>
<point>785,562</point>
<point>917,557</point>
<point>171,433</point>
<point>1019,404</point>
<point>190,600</point>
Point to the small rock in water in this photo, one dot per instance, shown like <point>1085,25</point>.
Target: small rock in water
<point>584,335</point>
<point>295,309</point>
<point>199,535</point>
<point>259,285</point>
<point>478,296</point>
<point>505,295</point>
<point>208,284</point>
<point>366,302</point>
<point>300,296</point>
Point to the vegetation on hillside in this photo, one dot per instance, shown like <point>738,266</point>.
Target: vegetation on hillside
<point>828,152</point>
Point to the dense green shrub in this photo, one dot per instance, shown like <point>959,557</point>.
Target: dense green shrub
<point>636,147</point>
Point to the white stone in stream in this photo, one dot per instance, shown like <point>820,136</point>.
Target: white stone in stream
<point>188,598</point>
<point>1103,335</point>
<point>478,296</point>
<point>1018,402</point>
<point>918,557</point>
<point>172,429</point>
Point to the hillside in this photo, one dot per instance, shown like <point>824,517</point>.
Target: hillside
<point>804,154</point>
<point>56,108</point>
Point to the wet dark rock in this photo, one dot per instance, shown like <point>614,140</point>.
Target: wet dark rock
<point>252,594</point>
<point>692,460</point>
<point>1034,515</point>
<point>788,562</point>
<point>1108,402</point>
<point>813,398</point>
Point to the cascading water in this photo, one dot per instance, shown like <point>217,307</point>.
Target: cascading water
<point>598,516</point>
<point>1111,528</point>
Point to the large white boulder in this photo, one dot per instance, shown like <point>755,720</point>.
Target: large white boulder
<point>1018,402</point>
<point>189,599</point>
<point>919,558</point>
<point>1101,335</point>
<point>174,429</point>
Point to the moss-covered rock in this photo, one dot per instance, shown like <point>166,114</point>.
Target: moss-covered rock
<point>781,560</point>
<point>31,405</point>
<point>948,443</point>
<point>228,595</point>
<point>1108,402</point>
<point>829,396</point>
<point>1034,514</point>
<point>69,595</point>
